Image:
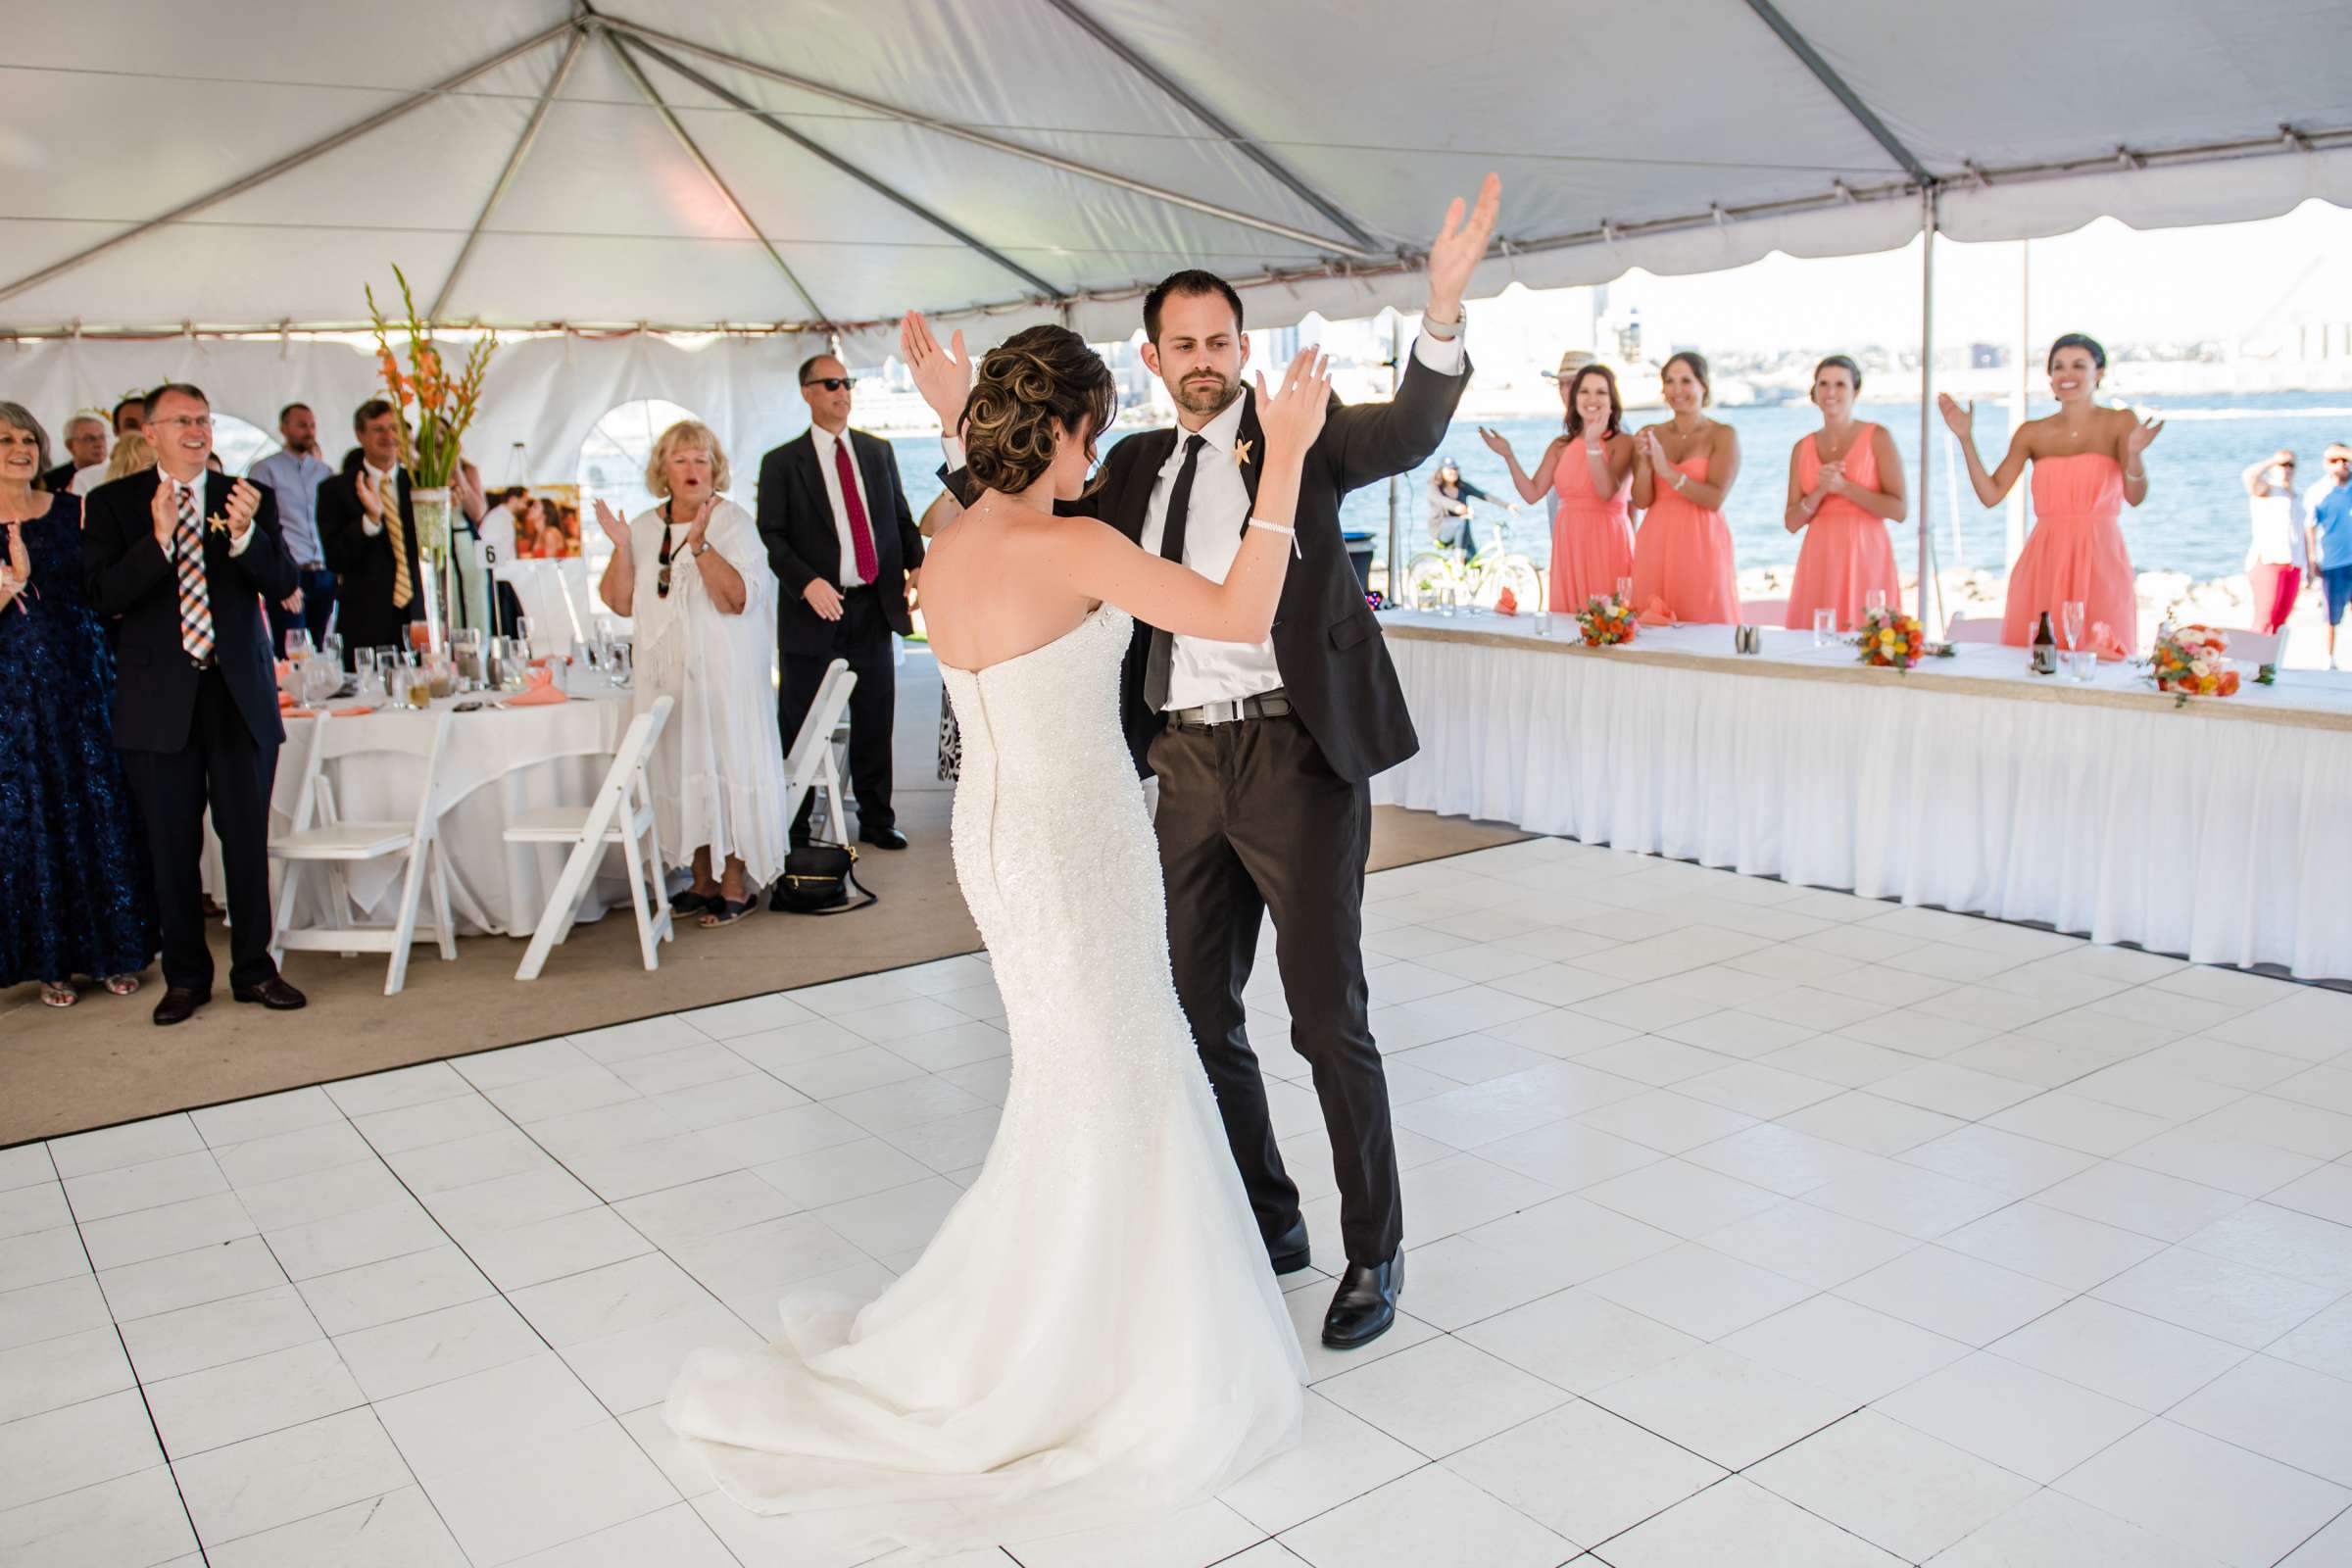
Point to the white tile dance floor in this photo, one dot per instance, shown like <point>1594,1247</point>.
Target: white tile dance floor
<point>1748,1225</point>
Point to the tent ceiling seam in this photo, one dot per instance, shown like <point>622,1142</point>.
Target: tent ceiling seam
<point>1191,104</point>
<point>292,161</point>
<point>1068,166</point>
<point>513,165</point>
<point>718,182</point>
<point>1827,77</point>
<point>1052,291</point>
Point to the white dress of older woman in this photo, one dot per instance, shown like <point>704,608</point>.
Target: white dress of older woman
<point>718,773</point>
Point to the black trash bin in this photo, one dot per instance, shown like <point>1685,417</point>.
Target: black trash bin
<point>1359,556</point>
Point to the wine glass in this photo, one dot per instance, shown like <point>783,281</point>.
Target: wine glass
<point>299,646</point>
<point>616,665</point>
<point>1875,601</point>
<point>1625,590</point>
<point>2070,620</point>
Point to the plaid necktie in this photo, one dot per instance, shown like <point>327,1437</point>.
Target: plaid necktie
<point>187,557</point>
<point>403,588</point>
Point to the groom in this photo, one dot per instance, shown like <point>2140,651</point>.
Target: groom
<point>1264,752</point>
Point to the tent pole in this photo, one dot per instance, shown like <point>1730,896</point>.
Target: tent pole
<point>292,161</point>
<point>702,160</point>
<point>1396,525</point>
<point>1926,379</point>
<point>506,175</point>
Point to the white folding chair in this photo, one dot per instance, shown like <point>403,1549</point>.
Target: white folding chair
<point>1763,612</point>
<point>811,763</point>
<point>2250,647</point>
<point>1961,629</point>
<point>320,838</point>
<point>622,813</point>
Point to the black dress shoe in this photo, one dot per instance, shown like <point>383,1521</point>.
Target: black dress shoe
<point>1366,1304</point>
<point>882,838</point>
<point>274,993</point>
<point>179,1005</point>
<point>1289,1250</point>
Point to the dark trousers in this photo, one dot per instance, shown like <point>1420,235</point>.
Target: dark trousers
<point>317,605</point>
<point>863,637</point>
<point>220,765</point>
<point>1252,820</point>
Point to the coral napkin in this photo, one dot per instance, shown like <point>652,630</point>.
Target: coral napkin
<point>2106,644</point>
<point>354,711</point>
<point>541,691</point>
<point>1656,614</point>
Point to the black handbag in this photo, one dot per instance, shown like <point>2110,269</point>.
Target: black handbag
<point>821,878</point>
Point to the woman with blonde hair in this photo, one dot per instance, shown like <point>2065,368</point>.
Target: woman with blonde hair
<point>692,572</point>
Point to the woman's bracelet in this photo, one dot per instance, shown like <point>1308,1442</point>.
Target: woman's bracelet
<point>1292,534</point>
<point>1679,479</point>
<point>2135,474</point>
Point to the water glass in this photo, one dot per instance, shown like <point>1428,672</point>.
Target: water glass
<point>618,670</point>
<point>1625,590</point>
<point>1824,627</point>
<point>2081,662</point>
<point>1874,601</point>
<point>1445,597</point>
<point>522,633</point>
<point>320,680</point>
<point>1543,622</point>
<point>331,647</point>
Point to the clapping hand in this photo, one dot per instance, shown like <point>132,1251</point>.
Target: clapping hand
<point>160,511</point>
<point>944,376</point>
<point>1459,247</point>
<point>1291,414</point>
<point>243,502</point>
<point>700,524</point>
<point>370,502</point>
<point>1647,446</point>
<point>1830,481</point>
<point>616,527</point>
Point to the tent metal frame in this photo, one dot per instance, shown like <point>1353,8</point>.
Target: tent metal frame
<point>506,175</point>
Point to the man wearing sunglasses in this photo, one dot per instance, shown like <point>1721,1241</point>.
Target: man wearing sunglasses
<point>845,549</point>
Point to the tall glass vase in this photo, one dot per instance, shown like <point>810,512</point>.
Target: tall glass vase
<point>431,510</point>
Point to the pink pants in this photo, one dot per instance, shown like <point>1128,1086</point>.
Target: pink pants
<point>2273,590</point>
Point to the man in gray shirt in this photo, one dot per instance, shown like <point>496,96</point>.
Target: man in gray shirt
<point>294,473</point>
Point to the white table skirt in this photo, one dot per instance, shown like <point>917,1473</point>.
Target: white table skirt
<point>2223,831</point>
<point>498,764</point>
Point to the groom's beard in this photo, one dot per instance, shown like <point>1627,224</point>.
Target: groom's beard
<point>1206,394</point>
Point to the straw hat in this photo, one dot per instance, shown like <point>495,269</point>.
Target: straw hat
<point>1572,362</point>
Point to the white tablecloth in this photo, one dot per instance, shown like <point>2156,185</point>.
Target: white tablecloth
<point>2221,830</point>
<point>499,763</point>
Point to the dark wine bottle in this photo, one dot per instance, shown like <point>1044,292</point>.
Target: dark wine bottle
<point>2046,648</point>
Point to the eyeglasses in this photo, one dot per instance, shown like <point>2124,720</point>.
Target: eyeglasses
<point>194,421</point>
<point>832,383</point>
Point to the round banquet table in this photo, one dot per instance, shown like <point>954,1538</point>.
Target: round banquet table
<point>499,764</point>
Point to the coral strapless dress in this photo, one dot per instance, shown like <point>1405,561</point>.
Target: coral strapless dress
<point>1682,557</point>
<point>2075,551</point>
<point>1591,539</point>
<point>1846,552</point>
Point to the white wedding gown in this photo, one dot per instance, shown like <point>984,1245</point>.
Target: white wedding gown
<point>1094,1333</point>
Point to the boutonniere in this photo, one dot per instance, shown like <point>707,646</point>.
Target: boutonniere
<point>216,523</point>
<point>1241,453</point>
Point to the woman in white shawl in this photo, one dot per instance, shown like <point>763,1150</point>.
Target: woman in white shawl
<point>693,575</point>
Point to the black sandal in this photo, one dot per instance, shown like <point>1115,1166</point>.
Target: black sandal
<point>691,902</point>
<point>723,911</point>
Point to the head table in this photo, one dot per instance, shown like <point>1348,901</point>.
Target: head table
<point>500,762</point>
<point>2218,829</point>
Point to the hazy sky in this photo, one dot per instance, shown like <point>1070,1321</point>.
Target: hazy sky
<point>2221,281</point>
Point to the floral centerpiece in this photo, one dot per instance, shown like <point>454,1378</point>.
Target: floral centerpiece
<point>430,443</point>
<point>1606,620</point>
<point>2192,661</point>
<point>1892,639</point>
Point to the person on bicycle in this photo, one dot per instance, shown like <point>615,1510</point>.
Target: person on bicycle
<point>1449,498</point>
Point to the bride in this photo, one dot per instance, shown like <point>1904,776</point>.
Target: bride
<point>1093,1332</point>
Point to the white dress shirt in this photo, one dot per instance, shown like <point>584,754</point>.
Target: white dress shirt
<point>238,544</point>
<point>1202,670</point>
<point>826,442</point>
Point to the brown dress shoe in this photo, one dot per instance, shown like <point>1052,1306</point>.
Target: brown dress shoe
<point>274,993</point>
<point>179,1005</point>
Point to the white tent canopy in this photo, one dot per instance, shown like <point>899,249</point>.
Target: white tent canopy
<point>830,162</point>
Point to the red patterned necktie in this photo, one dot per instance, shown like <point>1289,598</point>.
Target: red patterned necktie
<point>861,534</point>
<point>195,603</point>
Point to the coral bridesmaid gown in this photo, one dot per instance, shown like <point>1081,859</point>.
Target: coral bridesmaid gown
<point>1591,539</point>
<point>1846,552</point>
<point>2075,551</point>
<point>1682,557</point>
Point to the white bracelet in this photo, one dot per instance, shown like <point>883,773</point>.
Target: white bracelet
<point>1291,534</point>
<point>1679,479</point>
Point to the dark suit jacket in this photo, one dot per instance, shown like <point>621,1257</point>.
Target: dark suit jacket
<point>130,575</point>
<point>1335,665</point>
<point>363,565</point>
<point>60,479</point>
<point>796,521</point>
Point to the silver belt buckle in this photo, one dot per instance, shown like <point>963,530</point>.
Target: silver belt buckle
<point>1224,712</point>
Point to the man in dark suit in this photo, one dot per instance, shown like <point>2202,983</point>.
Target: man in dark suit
<point>368,530</point>
<point>85,439</point>
<point>186,558</point>
<point>846,550</point>
<point>1264,752</point>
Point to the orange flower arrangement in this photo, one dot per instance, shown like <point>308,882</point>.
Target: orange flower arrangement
<point>1891,640</point>
<point>1605,621</point>
<point>444,406</point>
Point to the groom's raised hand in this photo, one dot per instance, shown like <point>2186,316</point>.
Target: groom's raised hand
<point>944,376</point>
<point>1459,249</point>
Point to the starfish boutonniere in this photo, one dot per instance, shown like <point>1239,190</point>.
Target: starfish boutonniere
<point>216,523</point>
<point>1241,453</point>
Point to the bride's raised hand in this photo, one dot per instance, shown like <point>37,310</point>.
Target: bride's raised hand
<point>1292,413</point>
<point>944,376</point>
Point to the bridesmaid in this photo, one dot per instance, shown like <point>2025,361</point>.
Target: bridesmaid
<point>1590,468</point>
<point>1683,469</point>
<point>75,890</point>
<point>2086,465</point>
<point>1845,484</point>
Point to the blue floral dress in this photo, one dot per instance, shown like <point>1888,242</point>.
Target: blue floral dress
<point>76,897</point>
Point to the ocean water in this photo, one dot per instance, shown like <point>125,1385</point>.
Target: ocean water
<point>2195,520</point>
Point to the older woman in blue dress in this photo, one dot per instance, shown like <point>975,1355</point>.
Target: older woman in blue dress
<point>693,575</point>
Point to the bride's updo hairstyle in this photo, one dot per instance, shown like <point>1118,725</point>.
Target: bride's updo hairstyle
<point>1033,387</point>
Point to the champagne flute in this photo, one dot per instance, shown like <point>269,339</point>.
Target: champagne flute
<point>2070,617</point>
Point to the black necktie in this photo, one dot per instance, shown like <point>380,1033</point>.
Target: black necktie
<point>1171,548</point>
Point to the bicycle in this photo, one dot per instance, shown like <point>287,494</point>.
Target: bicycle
<point>1439,578</point>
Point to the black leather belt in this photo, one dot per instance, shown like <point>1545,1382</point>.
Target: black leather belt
<point>1266,705</point>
